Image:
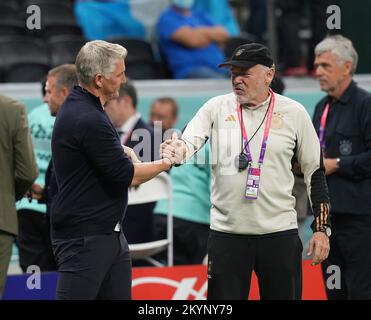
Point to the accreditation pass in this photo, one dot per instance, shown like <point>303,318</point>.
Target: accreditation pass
<point>252,185</point>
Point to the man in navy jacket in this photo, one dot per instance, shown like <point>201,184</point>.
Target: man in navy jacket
<point>93,174</point>
<point>343,122</point>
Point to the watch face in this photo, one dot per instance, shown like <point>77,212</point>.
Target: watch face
<point>328,231</point>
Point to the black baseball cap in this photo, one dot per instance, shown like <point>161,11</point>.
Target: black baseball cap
<point>249,55</point>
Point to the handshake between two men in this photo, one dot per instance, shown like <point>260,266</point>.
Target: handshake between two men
<point>173,149</point>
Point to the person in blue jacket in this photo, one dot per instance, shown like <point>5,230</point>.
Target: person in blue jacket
<point>191,42</point>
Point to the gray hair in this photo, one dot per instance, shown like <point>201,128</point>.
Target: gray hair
<point>98,56</point>
<point>340,46</point>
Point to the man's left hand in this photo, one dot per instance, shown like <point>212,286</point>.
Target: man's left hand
<point>319,246</point>
<point>331,166</point>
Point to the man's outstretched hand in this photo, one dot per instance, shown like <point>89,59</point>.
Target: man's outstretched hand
<point>173,149</point>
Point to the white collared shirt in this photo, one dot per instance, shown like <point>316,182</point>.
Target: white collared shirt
<point>128,126</point>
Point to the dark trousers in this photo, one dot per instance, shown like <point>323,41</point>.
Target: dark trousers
<point>138,227</point>
<point>33,241</point>
<point>275,258</point>
<point>138,223</point>
<point>93,267</point>
<point>190,239</point>
<point>350,250</point>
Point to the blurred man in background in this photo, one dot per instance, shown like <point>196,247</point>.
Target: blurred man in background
<point>18,170</point>
<point>343,123</point>
<point>138,135</point>
<point>133,131</point>
<point>34,233</point>
<point>33,240</point>
<point>163,116</point>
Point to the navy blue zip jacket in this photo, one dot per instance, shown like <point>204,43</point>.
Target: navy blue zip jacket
<point>348,137</point>
<point>92,171</point>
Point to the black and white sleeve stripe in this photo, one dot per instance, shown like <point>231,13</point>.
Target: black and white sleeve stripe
<point>320,199</point>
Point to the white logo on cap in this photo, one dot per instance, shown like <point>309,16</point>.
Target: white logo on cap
<point>239,52</point>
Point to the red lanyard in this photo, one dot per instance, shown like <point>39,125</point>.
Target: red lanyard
<point>323,127</point>
<point>266,130</point>
<point>126,137</point>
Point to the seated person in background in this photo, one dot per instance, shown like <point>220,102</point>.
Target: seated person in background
<point>101,19</point>
<point>163,117</point>
<point>190,42</point>
<point>221,13</point>
<point>191,210</point>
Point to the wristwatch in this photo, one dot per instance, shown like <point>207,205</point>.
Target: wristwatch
<point>326,230</point>
<point>338,162</point>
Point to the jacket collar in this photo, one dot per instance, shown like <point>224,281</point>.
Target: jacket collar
<point>85,93</point>
<point>345,97</point>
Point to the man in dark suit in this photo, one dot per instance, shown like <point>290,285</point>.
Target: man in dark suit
<point>138,135</point>
<point>18,170</point>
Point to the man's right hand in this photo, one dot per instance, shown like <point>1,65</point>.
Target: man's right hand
<point>36,191</point>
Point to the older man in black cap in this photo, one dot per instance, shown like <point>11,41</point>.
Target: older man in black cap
<point>255,135</point>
